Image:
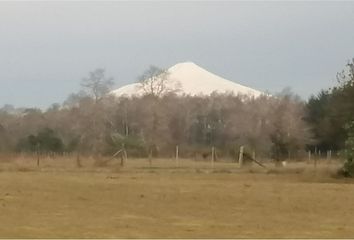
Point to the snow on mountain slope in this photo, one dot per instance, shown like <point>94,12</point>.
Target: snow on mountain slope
<point>193,80</point>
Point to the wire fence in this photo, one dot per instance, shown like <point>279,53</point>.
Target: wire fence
<point>72,160</point>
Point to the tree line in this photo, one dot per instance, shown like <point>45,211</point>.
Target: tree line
<point>331,110</point>
<point>331,117</point>
<point>97,123</point>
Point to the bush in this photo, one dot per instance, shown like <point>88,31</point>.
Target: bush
<point>45,141</point>
<point>348,169</point>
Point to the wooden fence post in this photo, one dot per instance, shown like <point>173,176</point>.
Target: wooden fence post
<point>212,156</point>
<point>38,146</point>
<point>150,157</point>
<point>78,160</point>
<point>329,155</point>
<point>124,156</point>
<point>177,156</point>
<point>309,157</point>
<point>240,157</point>
<point>37,158</point>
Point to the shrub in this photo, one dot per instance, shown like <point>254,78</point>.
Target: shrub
<point>45,141</point>
<point>348,168</point>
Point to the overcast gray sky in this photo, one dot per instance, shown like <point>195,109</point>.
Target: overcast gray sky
<point>46,48</point>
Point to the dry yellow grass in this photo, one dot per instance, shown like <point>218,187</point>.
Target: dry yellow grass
<point>62,201</point>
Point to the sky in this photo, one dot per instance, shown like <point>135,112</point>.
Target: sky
<point>47,47</point>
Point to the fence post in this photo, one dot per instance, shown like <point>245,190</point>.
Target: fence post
<point>124,156</point>
<point>78,160</point>
<point>309,157</point>
<point>240,157</point>
<point>38,146</point>
<point>212,156</point>
<point>329,155</point>
<point>150,157</point>
<point>177,156</point>
<point>37,158</point>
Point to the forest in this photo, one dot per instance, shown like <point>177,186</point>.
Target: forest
<point>93,122</point>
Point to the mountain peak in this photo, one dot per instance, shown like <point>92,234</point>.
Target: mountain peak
<point>184,65</point>
<point>193,80</point>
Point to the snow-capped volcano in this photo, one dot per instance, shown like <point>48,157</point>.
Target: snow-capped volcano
<point>190,79</point>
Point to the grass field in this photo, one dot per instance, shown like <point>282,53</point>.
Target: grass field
<point>59,200</point>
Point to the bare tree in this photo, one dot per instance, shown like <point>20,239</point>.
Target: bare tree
<point>155,82</point>
<point>97,85</point>
<point>74,99</point>
<point>155,125</point>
